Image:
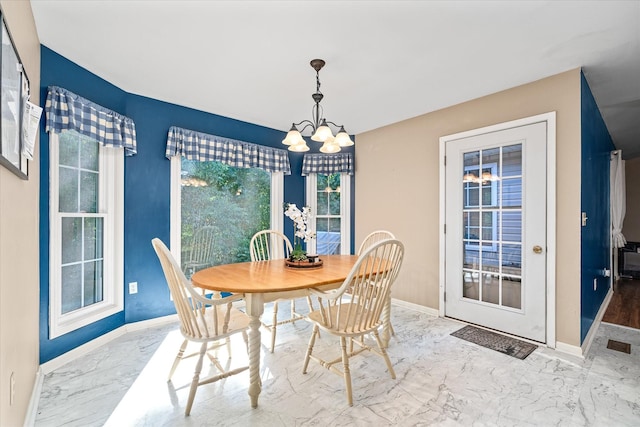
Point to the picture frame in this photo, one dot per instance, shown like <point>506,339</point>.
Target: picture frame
<point>14,93</point>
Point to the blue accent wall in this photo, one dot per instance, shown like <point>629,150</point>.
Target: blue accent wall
<point>147,192</point>
<point>595,241</point>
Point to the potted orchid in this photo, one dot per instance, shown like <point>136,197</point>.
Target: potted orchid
<point>300,221</point>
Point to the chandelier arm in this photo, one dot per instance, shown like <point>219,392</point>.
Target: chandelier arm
<point>332,123</point>
<point>306,123</point>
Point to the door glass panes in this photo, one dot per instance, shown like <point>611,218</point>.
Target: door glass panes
<point>328,217</point>
<point>492,222</point>
<point>222,207</point>
<point>81,222</point>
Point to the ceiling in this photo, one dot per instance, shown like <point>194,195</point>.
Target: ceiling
<point>386,60</point>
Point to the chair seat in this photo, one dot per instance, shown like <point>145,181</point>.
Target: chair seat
<point>347,326</point>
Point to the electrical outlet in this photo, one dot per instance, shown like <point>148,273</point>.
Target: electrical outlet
<point>12,388</point>
<point>133,287</point>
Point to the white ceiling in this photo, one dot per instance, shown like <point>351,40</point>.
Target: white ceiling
<point>386,60</point>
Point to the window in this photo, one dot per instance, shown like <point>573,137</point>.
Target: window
<point>219,208</point>
<point>86,231</point>
<point>328,196</point>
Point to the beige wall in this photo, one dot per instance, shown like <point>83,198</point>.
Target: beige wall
<point>631,225</point>
<point>19,288</point>
<point>397,186</point>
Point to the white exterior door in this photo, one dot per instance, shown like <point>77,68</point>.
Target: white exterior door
<point>495,239</point>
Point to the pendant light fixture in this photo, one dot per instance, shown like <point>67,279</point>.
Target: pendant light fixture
<point>320,130</point>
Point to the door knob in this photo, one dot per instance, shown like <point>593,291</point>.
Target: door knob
<point>537,249</point>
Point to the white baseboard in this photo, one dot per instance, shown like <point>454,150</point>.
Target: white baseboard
<point>588,340</point>
<point>421,308</point>
<point>573,350</point>
<point>73,354</point>
<point>34,401</point>
<point>581,351</point>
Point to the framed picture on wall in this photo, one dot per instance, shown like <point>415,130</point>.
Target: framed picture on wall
<point>14,93</point>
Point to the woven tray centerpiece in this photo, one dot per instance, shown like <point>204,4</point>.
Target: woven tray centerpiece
<point>312,261</point>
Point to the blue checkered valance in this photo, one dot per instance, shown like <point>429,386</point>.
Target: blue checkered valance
<point>67,111</point>
<point>327,163</point>
<point>203,147</point>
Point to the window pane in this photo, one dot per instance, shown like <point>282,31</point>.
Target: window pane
<point>487,193</point>
<point>71,240</point>
<point>323,181</point>
<point>235,203</point>
<point>471,224</point>
<point>68,191</point>
<point>491,162</point>
<point>471,287</point>
<point>471,195</point>
<point>68,149</point>
<point>92,282</point>
<point>472,159</point>
<point>491,288</point>
<point>88,153</point>
<point>322,224</point>
<point>512,160</point>
<point>93,238</point>
<point>512,226</point>
<point>71,288</point>
<point>334,225</point>
<point>334,203</point>
<point>88,192</point>
<point>512,259</point>
<point>471,256</point>
<point>512,192</point>
<point>323,203</point>
<point>327,243</point>
<point>512,292</point>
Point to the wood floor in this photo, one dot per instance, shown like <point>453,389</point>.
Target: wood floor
<point>624,308</point>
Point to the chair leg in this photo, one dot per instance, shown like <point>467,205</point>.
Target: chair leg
<point>274,325</point>
<point>346,370</point>
<point>196,379</point>
<point>293,309</point>
<point>245,337</point>
<point>312,341</point>
<point>384,354</point>
<point>178,358</point>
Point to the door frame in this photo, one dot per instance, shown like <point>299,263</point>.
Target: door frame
<point>550,119</point>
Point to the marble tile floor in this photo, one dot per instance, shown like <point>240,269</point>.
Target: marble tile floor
<point>441,381</point>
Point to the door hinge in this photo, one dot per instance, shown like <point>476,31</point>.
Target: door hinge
<point>445,297</point>
<point>445,229</point>
<point>445,160</point>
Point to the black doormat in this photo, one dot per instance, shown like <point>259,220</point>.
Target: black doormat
<point>507,345</point>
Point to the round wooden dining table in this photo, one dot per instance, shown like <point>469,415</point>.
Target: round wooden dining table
<point>265,281</point>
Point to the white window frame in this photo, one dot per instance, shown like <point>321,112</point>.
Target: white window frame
<point>277,209</point>
<point>111,209</point>
<point>311,184</point>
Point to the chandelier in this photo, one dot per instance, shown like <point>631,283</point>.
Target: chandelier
<point>320,130</point>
